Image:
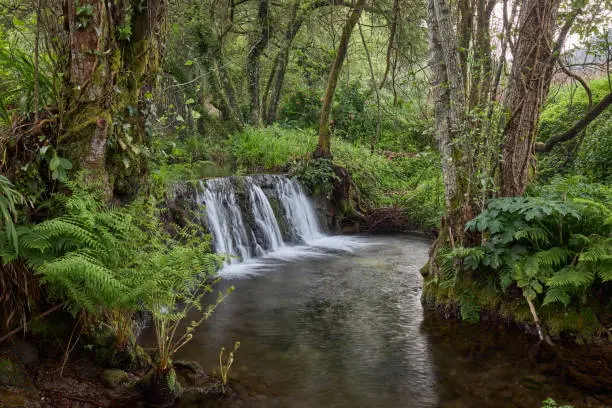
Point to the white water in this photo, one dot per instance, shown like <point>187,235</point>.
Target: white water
<point>253,242</point>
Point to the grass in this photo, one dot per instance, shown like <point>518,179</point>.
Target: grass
<point>411,182</point>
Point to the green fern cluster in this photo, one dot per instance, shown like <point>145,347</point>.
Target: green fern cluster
<point>555,251</point>
<point>83,255</point>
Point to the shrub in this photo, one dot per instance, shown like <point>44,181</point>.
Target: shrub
<point>557,251</point>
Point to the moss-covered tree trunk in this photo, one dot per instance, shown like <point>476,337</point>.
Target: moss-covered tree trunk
<point>253,68</point>
<point>530,78</point>
<point>112,51</point>
<point>323,149</point>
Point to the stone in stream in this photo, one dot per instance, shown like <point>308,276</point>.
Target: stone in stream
<point>114,378</point>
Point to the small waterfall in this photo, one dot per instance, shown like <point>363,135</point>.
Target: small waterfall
<point>225,220</point>
<point>298,209</point>
<point>242,219</point>
<point>264,217</point>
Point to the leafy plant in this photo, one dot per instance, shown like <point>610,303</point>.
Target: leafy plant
<point>224,366</point>
<point>9,199</point>
<point>554,251</point>
<point>83,255</point>
<point>315,175</point>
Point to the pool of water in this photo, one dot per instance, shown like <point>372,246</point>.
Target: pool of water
<point>344,327</point>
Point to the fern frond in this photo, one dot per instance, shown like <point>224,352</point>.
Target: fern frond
<point>557,295</point>
<point>571,276</point>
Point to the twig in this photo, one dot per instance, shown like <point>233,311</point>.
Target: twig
<point>40,316</point>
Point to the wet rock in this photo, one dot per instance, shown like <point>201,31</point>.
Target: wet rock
<point>162,388</point>
<point>189,373</point>
<point>534,380</point>
<point>114,378</point>
<point>19,398</point>
<point>26,352</point>
<point>11,373</point>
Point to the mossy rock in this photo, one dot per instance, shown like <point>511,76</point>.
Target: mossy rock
<point>11,373</point>
<point>114,378</point>
<point>107,354</point>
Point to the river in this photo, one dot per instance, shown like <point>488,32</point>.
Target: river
<point>343,327</point>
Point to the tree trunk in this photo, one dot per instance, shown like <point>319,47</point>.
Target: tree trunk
<point>283,62</point>
<point>324,146</point>
<point>102,92</point>
<point>253,67</point>
<point>87,92</point>
<point>530,76</point>
<point>449,95</point>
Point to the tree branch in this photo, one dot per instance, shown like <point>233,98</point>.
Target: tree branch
<point>578,126</point>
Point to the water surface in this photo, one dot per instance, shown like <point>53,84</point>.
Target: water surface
<point>343,326</point>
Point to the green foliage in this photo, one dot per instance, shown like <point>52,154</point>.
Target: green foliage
<point>82,255</point>
<point>224,367</point>
<point>175,273</point>
<point>18,82</point>
<point>270,148</point>
<point>301,108</point>
<point>354,117</point>
<point>317,176</point>
<point>9,200</point>
<point>551,403</point>
<point>556,251</point>
<point>411,181</point>
<point>588,154</point>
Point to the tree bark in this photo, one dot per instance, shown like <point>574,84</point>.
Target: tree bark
<point>449,95</point>
<point>283,61</point>
<point>106,78</point>
<point>253,67</point>
<point>530,77</point>
<point>323,149</point>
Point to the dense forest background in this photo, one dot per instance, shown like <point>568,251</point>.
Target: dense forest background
<point>485,123</point>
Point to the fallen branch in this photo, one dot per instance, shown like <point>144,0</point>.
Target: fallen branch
<point>40,316</point>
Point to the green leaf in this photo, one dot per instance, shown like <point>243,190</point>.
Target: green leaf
<point>65,163</point>
<point>54,163</point>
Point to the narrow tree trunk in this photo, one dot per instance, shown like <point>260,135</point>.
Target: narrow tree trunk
<point>324,146</point>
<point>253,64</point>
<point>394,21</point>
<point>528,87</point>
<point>283,62</point>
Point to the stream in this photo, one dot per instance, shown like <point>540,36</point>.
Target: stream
<point>339,323</point>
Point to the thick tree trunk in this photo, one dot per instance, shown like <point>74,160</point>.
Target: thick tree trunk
<point>88,91</point>
<point>106,77</point>
<point>324,146</point>
<point>253,67</point>
<point>530,77</point>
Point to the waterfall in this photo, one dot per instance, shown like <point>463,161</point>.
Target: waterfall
<point>242,220</point>
<point>298,209</point>
<point>225,220</point>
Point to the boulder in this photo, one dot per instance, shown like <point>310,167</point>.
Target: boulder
<point>114,378</point>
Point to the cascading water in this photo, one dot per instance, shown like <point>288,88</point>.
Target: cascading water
<point>242,221</point>
<point>268,217</point>
<point>225,220</point>
<point>264,217</point>
<point>298,209</point>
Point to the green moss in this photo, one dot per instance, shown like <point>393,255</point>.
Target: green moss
<point>582,324</point>
<point>11,373</point>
